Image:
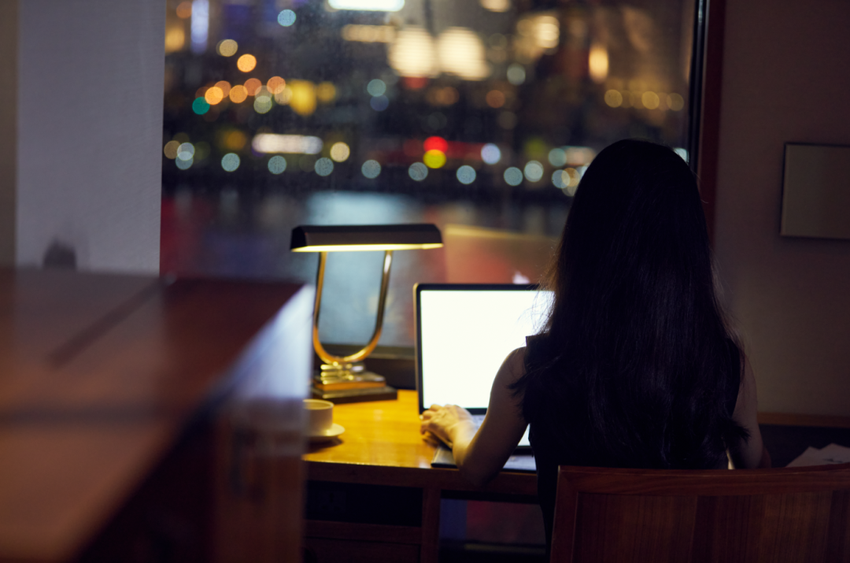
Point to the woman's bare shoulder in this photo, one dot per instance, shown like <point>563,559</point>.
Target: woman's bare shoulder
<point>513,367</point>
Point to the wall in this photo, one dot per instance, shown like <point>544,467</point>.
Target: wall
<point>784,81</point>
<point>89,118</point>
<point>8,128</point>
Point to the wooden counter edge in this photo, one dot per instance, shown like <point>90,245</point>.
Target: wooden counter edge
<point>426,478</point>
<point>791,419</point>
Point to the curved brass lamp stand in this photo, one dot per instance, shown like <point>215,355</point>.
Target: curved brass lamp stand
<point>341,369</point>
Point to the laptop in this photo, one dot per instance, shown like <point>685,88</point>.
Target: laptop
<point>463,334</point>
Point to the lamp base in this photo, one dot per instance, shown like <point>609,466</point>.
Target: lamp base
<point>350,383</point>
<point>348,376</point>
<point>382,393</point>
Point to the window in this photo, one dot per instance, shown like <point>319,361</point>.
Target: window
<point>477,115</point>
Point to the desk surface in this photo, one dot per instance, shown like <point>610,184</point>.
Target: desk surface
<point>382,445</point>
<point>384,433</point>
<point>383,436</point>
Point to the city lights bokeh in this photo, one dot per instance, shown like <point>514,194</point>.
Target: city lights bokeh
<point>214,95</point>
<point>324,166</point>
<point>200,106</point>
<point>238,94</point>
<point>516,74</point>
<point>170,149</point>
<point>434,158</point>
<point>263,103</point>
<point>466,174</point>
<point>490,153</point>
<point>533,171</point>
<point>277,164</point>
<point>184,10</point>
<point>379,103</point>
<point>376,87</point>
<point>371,169</point>
<point>276,85</point>
<point>479,115</point>
<point>246,63</point>
<point>418,171</point>
<point>368,5</point>
<point>517,101</point>
<point>416,58</point>
<point>230,162</point>
<point>295,144</point>
<point>227,47</point>
<point>286,18</point>
<point>199,15</point>
<point>340,152</point>
<point>252,86</point>
<point>513,176</point>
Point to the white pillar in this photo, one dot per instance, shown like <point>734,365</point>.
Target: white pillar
<point>81,103</point>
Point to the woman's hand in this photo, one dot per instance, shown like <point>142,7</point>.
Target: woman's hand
<point>448,423</point>
<point>479,456</point>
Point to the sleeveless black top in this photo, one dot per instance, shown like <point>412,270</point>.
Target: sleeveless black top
<point>549,453</point>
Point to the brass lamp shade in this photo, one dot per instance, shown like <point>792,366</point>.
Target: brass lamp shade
<point>343,378</point>
<point>310,238</point>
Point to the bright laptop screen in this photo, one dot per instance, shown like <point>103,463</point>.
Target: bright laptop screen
<point>464,333</point>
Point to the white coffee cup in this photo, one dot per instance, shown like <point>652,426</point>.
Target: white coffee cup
<point>319,415</point>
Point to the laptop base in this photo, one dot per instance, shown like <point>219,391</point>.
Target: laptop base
<point>522,462</point>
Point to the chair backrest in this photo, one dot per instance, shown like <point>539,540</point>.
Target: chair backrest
<point>636,515</point>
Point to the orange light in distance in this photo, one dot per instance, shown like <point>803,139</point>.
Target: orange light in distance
<point>184,10</point>
<point>238,94</point>
<point>252,86</point>
<point>415,82</point>
<point>246,63</point>
<point>326,92</point>
<point>276,84</point>
<point>225,87</point>
<point>214,95</point>
<point>495,99</point>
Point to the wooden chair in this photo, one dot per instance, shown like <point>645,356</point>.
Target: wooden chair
<point>766,515</point>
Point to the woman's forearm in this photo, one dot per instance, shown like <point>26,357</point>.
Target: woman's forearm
<point>472,467</point>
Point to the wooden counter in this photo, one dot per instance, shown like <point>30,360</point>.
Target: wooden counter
<point>103,378</point>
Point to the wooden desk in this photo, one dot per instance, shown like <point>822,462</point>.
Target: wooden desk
<point>382,448</point>
<point>381,455</point>
<point>108,385</point>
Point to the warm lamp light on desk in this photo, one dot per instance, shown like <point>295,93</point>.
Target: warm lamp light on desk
<point>343,378</point>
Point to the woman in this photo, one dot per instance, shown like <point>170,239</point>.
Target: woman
<point>635,367</point>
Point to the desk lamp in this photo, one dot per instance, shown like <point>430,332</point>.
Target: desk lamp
<point>343,379</point>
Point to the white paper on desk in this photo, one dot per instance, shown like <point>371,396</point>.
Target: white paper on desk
<point>834,453</point>
<point>829,455</point>
<point>808,457</point>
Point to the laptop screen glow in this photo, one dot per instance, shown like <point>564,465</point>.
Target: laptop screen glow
<point>465,336</point>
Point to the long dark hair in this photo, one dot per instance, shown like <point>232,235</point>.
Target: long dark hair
<point>636,366</point>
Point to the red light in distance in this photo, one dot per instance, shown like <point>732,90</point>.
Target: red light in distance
<point>435,144</point>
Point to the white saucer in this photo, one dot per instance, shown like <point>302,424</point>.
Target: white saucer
<point>331,432</point>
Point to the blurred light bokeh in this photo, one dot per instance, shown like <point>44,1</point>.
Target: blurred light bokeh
<point>479,116</point>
